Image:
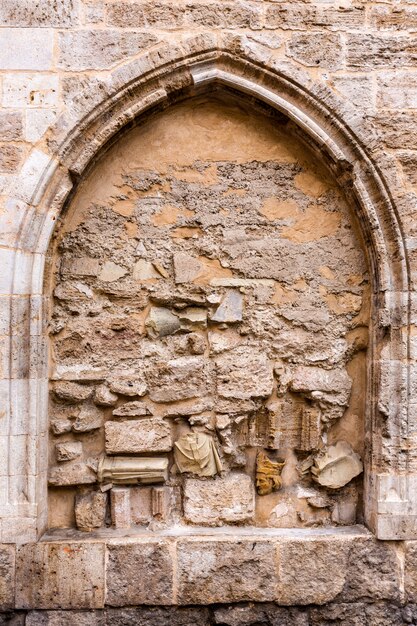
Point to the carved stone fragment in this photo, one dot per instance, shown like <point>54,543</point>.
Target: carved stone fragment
<point>121,470</point>
<point>268,474</point>
<point>336,465</point>
<point>90,510</point>
<point>197,454</point>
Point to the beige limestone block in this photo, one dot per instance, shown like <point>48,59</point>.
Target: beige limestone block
<point>244,373</point>
<point>7,576</point>
<point>90,510</point>
<point>89,418</point>
<point>139,572</point>
<point>226,570</point>
<point>223,500</point>
<point>196,453</point>
<point>136,436</point>
<point>124,470</point>
<point>186,267</point>
<point>132,409</point>
<point>60,575</point>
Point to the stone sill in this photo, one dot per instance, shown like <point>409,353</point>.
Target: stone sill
<point>235,532</point>
<point>68,569</point>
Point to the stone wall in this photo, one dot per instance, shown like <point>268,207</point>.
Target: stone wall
<point>74,76</point>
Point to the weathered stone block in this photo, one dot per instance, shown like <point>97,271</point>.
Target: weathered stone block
<point>30,90</point>
<point>264,613</point>
<point>89,418</point>
<point>221,570</point>
<point>11,125</point>
<point>85,50</point>
<point>90,510</point>
<point>139,573</point>
<point>62,13</point>
<point>410,578</point>
<point>72,392</point>
<point>68,451</point>
<point>223,500</point>
<point>60,575</point>
<point>316,49</point>
<point>120,507</point>
<point>371,51</point>
<point>373,571</point>
<point>65,618</point>
<point>143,435</point>
<point>7,576</point>
<point>72,473</point>
<point>311,571</point>
<point>26,48</point>
<point>244,373</point>
<point>178,379</point>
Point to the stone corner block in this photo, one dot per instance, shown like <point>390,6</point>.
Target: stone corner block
<point>410,571</point>
<point>7,576</point>
<point>225,570</point>
<point>139,572</point>
<point>60,575</point>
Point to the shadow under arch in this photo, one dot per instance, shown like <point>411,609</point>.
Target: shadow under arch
<point>390,478</point>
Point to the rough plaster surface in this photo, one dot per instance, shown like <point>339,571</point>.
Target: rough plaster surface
<point>209,258</point>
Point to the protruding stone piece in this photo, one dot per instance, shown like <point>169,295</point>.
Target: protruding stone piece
<point>186,267</point>
<point>89,418</point>
<point>268,474</point>
<point>128,386</point>
<point>122,470</point>
<point>162,322</point>
<point>230,309</point>
<point>336,465</point>
<point>72,473</point>
<point>197,454</point>
<point>72,392</point>
<point>104,397</point>
<point>120,507</point>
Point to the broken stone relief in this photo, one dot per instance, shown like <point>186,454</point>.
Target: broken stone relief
<point>209,289</point>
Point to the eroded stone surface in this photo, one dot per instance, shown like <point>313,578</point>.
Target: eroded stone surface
<point>90,510</point>
<point>144,435</point>
<point>219,501</point>
<point>60,576</point>
<point>127,564</point>
<point>225,571</point>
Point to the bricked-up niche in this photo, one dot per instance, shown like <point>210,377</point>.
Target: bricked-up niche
<point>209,329</point>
